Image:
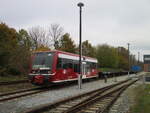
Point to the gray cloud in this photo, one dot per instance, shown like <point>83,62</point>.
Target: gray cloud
<point>115,22</point>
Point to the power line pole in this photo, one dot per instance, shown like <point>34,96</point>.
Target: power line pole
<point>128,59</point>
<point>138,58</point>
<point>80,5</point>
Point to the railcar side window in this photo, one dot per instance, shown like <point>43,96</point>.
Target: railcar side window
<point>76,66</point>
<point>59,63</point>
<point>67,63</point>
<point>93,65</point>
<point>88,66</point>
<point>96,65</point>
<point>64,63</point>
<point>70,65</point>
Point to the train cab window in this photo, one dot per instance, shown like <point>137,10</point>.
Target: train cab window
<point>42,60</point>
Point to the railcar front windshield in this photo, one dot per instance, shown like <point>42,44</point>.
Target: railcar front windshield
<point>42,60</point>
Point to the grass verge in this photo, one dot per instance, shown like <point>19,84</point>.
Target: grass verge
<point>10,88</point>
<point>12,78</point>
<point>142,99</point>
<point>109,70</point>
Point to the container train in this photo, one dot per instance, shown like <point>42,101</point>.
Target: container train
<point>58,66</point>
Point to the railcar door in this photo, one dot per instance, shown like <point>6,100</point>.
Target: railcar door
<point>84,69</point>
<point>75,69</point>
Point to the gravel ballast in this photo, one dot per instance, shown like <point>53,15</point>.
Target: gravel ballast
<point>126,100</point>
<point>24,103</point>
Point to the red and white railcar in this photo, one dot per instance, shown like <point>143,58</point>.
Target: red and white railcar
<point>59,66</point>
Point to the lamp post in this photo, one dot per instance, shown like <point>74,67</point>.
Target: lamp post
<point>128,59</point>
<point>80,5</point>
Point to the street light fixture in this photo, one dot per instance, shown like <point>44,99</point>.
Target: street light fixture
<point>80,5</point>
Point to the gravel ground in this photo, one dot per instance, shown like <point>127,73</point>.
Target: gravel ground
<point>21,104</point>
<point>126,100</point>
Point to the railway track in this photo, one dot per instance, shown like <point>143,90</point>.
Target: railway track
<point>13,82</point>
<point>31,91</point>
<point>97,101</point>
<point>22,93</point>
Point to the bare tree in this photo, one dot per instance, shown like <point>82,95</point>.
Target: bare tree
<point>38,36</point>
<point>55,33</point>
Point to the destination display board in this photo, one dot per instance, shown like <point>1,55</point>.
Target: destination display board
<point>146,59</point>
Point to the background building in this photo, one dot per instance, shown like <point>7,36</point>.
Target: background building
<point>146,63</point>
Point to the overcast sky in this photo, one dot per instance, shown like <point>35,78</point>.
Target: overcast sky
<point>115,22</point>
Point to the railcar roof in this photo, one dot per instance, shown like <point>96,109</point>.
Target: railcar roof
<point>63,52</point>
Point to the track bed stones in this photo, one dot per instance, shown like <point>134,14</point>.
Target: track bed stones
<point>125,101</point>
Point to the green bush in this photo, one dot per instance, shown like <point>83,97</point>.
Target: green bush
<point>14,71</point>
